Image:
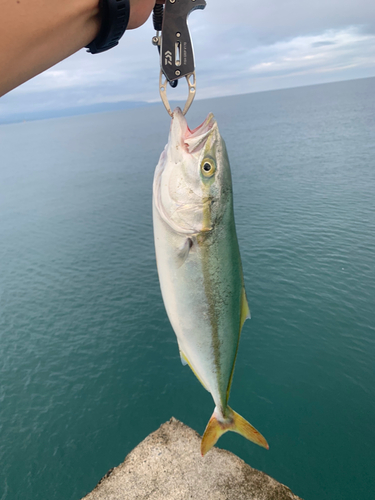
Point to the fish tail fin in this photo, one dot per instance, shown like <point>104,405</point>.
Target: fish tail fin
<point>232,421</point>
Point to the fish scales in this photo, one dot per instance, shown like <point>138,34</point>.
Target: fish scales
<point>199,264</point>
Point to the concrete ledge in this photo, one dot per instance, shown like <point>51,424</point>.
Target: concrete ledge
<point>167,465</point>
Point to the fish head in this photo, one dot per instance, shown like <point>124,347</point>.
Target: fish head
<point>194,177</point>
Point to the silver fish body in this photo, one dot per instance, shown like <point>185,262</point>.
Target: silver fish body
<point>199,263</point>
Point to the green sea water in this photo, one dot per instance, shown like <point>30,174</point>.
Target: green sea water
<point>89,364</point>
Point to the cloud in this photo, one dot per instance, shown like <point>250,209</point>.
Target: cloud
<point>331,55</point>
<point>247,46</point>
<point>272,20</point>
<point>327,51</point>
<point>322,44</point>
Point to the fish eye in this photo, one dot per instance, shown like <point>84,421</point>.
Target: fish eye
<point>208,167</point>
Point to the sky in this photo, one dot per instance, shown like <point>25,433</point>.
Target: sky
<point>240,46</point>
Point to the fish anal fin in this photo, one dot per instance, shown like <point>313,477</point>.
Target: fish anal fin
<point>244,315</point>
<point>218,425</point>
<point>245,310</point>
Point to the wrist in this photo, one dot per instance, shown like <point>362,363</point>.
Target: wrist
<point>114,21</point>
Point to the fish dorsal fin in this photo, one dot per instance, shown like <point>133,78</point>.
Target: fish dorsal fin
<point>245,310</point>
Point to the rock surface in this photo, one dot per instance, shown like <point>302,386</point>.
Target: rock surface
<point>168,465</point>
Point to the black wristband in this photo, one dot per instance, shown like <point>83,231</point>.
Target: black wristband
<point>115,18</point>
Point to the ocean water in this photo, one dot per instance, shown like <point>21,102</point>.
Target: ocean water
<point>89,364</point>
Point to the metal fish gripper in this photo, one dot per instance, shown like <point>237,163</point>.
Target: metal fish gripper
<point>175,47</point>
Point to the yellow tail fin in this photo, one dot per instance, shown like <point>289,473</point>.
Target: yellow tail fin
<point>218,425</point>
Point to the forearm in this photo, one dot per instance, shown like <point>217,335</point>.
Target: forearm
<point>36,34</point>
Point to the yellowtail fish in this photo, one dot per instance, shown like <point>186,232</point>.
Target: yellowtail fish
<point>199,264</point>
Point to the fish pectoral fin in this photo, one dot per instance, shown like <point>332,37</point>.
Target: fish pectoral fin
<point>184,250</point>
<point>219,425</point>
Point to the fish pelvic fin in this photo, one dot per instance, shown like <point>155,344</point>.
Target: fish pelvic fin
<point>219,425</point>
<point>185,361</point>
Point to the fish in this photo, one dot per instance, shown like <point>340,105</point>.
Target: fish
<point>199,264</point>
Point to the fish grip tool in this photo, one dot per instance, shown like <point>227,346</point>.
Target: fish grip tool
<point>175,47</point>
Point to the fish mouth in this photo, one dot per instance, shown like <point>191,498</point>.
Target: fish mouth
<point>195,139</point>
<point>202,129</point>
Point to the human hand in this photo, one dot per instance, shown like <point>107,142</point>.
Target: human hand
<point>140,11</point>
